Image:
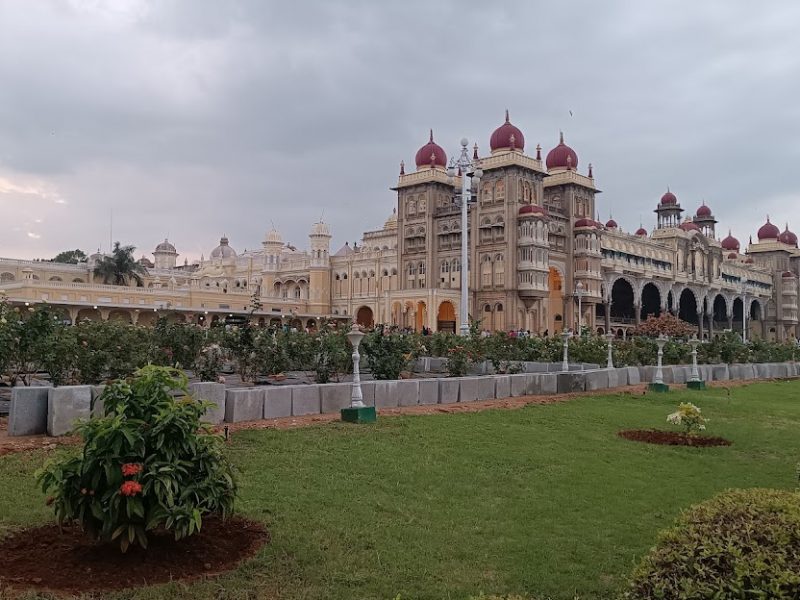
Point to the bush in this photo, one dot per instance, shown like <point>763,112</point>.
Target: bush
<point>689,417</point>
<point>387,354</point>
<point>147,464</point>
<point>666,324</point>
<point>742,544</point>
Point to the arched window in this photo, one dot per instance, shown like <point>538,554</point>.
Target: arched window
<point>500,192</point>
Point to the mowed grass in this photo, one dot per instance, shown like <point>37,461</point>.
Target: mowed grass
<point>545,501</point>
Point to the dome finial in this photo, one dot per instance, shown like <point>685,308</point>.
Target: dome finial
<point>507,119</point>
<point>431,139</point>
<point>538,152</point>
<point>402,167</point>
<point>475,152</point>
<point>590,171</point>
<point>560,137</point>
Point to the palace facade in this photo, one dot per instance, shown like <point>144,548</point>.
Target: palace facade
<point>537,252</point>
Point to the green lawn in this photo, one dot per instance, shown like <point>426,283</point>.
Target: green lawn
<point>542,501</point>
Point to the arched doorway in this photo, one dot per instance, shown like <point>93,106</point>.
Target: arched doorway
<point>446,317</point>
<point>738,313</point>
<point>651,301</point>
<point>719,313</point>
<point>397,314</point>
<point>364,317</point>
<point>687,307</point>
<point>622,308</point>
<point>755,327</point>
<point>555,301</point>
<point>499,317</point>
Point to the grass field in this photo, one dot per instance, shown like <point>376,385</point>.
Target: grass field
<point>545,501</point>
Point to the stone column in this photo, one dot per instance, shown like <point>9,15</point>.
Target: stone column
<point>607,306</point>
<point>104,312</point>
<point>730,320</point>
<point>637,308</point>
<point>711,326</point>
<point>700,325</point>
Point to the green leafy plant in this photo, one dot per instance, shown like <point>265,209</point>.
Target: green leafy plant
<point>387,354</point>
<point>459,359</point>
<point>740,544</point>
<point>689,417</point>
<point>209,363</point>
<point>147,464</point>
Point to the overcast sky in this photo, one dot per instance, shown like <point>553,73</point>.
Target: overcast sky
<point>191,119</point>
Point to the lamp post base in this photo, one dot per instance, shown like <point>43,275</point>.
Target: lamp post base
<point>658,387</point>
<point>696,385</point>
<point>359,414</point>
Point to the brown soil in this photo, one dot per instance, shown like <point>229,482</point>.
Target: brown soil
<point>671,438</point>
<point>67,561</point>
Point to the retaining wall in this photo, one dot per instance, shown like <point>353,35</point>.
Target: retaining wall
<point>55,410</point>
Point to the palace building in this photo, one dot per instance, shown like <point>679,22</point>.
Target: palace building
<point>537,252</point>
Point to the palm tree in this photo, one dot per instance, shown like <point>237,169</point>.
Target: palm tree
<point>120,268</point>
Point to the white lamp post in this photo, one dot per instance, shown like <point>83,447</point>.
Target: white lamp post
<point>357,412</point>
<point>355,335</point>
<point>658,384</point>
<point>695,383</point>
<point>565,362</point>
<point>469,169</point>
<point>610,359</point>
<point>579,291</point>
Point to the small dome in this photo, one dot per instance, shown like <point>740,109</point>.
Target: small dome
<point>787,237</point>
<point>391,222</point>
<point>320,228</point>
<point>642,232</point>
<point>768,231</point>
<point>689,226</point>
<point>146,262</point>
<point>561,157</point>
<point>733,255</point>
<point>529,209</point>
<point>165,246</point>
<point>586,222</point>
<point>274,237</point>
<point>507,137</point>
<point>431,154</point>
<point>223,250</point>
<point>730,243</point>
<point>749,260</point>
<point>668,199</point>
<point>703,211</point>
<point>787,274</point>
<point>611,224</point>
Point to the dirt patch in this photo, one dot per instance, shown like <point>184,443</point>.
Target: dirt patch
<point>65,560</point>
<point>672,438</point>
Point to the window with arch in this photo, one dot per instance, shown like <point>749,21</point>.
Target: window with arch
<point>500,191</point>
<point>486,271</point>
<point>487,195</point>
<point>499,270</point>
<point>411,208</point>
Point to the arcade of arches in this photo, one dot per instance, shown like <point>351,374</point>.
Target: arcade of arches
<point>628,306</point>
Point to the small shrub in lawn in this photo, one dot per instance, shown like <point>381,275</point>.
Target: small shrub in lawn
<point>742,544</point>
<point>147,464</point>
<point>387,355</point>
<point>689,417</point>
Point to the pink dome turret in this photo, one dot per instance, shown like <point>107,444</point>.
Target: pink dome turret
<point>431,155</point>
<point>768,231</point>
<point>788,238</point>
<point>507,137</point>
<point>561,157</point>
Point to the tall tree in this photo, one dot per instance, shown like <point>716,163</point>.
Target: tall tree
<point>71,257</point>
<point>120,268</point>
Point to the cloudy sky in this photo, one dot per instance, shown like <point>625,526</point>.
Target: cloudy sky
<point>191,119</point>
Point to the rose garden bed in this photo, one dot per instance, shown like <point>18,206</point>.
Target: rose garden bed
<point>672,438</point>
<point>66,560</point>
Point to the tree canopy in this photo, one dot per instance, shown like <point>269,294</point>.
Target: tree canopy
<point>71,257</point>
<point>120,268</point>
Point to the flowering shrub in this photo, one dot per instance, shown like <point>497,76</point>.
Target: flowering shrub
<point>666,324</point>
<point>688,416</point>
<point>387,355</point>
<point>459,358</point>
<point>209,363</point>
<point>147,464</point>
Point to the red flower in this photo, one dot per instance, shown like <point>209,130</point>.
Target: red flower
<point>130,488</point>
<point>130,469</point>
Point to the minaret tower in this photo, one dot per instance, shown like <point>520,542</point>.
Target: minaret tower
<point>273,244</point>
<point>319,271</point>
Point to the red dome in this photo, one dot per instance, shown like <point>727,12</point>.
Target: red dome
<point>431,153</point>
<point>561,157</point>
<point>730,243</point>
<point>768,231</point>
<point>586,222</point>
<point>507,136</point>
<point>532,209</point>
<point>703,211</point>
<point>611,224</point>
<point>641,232</point>
<point>788,238</point>
<point>689,226</point>
<point>788,274</point>
<point>669,198</point>
<point>733,255</point>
